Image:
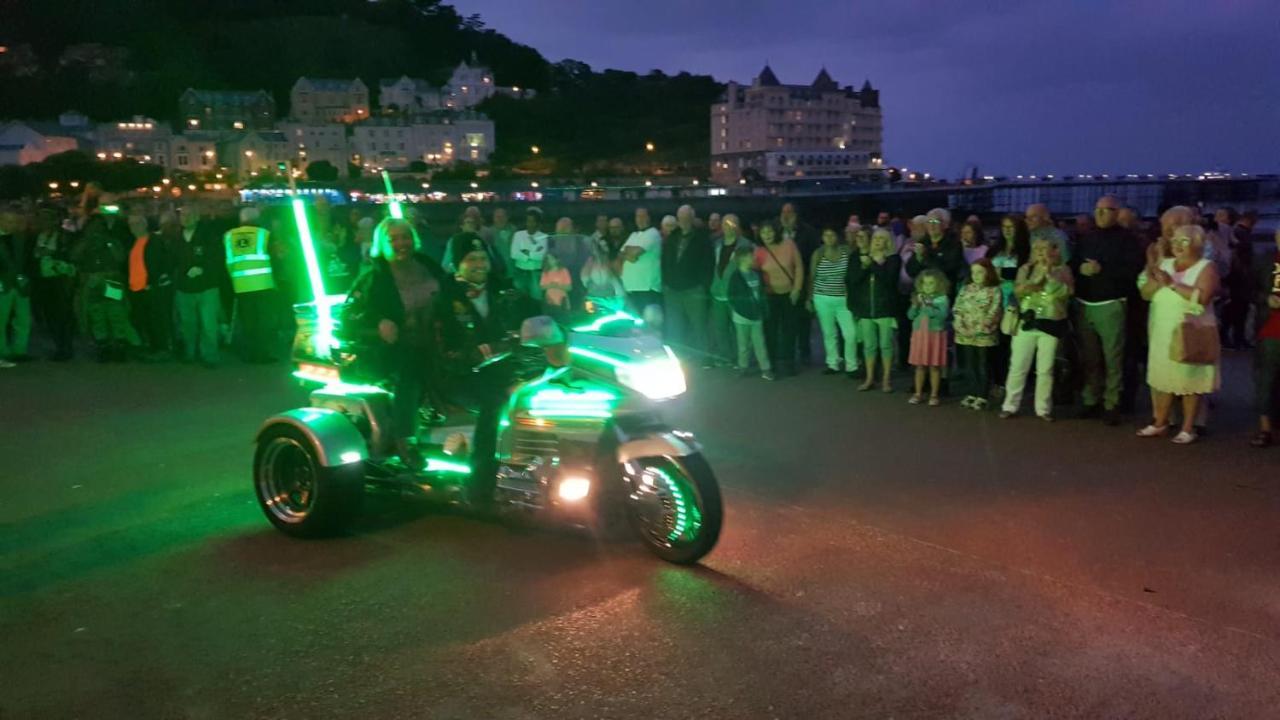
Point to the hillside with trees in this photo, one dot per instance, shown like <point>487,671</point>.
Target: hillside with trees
<point>112,59</point>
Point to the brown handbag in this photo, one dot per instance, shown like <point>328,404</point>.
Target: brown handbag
<point>1195,342</point>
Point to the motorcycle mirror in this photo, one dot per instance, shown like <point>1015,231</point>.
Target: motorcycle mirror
<point>541,331</point>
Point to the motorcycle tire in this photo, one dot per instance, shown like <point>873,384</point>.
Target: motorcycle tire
<point>674,505</point>
<point>301,497</point>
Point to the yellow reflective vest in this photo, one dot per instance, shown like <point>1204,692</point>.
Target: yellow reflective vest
<point>247,260</point>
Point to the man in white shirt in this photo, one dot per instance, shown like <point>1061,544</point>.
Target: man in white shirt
<point>642,265</point>
<point>528,249</point>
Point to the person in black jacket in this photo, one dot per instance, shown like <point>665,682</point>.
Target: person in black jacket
<point>874,301</point>
<point>199,272</point>
<point>939,251</point>
<point>749,307</point>
<point>477,319</point>
<point>392,307</point>
<point>53,285</point>
<point>687,260</point>
<point>1105,265</point>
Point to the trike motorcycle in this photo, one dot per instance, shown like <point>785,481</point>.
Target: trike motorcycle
<point>582,444</point>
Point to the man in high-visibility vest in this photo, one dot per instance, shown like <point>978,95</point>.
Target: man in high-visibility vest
<point>249,265</point>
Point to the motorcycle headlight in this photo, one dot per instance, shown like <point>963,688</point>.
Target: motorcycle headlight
<point>657,378</point>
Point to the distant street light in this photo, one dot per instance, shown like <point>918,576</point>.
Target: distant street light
<point>648,146</point>
<point>533,184</point>
<point>75,183</point>
<point>53,186</point>
<point>695,181</point>
<point>165,180</point>
<point>475,185</point>
<point>535,149</point>
<point>648,183</point>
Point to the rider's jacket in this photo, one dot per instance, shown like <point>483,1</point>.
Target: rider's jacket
<point>475,323</point>
<point>248,262</point>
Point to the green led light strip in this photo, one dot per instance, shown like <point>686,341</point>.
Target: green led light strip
<point>593,355</point>
<point>397,211</point>
<point>687,516</point>
<point>601,322</point>
<point>323,337</point>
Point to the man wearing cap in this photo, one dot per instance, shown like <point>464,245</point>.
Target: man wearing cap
<point>249,265</point>
<point>476,318</point>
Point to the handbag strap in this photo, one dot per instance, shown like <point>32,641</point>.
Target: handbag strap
<point>778,262</point>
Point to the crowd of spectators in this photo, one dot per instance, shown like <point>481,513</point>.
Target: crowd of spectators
<point>1097,306</point>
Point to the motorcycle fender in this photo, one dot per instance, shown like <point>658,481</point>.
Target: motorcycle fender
<point>666,444</point>
<point>336,440</point>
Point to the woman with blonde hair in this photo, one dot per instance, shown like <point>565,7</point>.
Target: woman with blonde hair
<point>1179,289</point>
<point>875,302</point>
<point>1043,288</point>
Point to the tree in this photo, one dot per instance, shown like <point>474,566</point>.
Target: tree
<point>322,171</point>
<point>353,171</point>
<point>417,166</point>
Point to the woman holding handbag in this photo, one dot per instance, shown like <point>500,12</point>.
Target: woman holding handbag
<point>1183,351</point>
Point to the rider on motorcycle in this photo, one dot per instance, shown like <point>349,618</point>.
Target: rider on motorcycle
<point>391,308</point>
<point>477,319</point>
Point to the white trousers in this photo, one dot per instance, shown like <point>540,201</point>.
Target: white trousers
<point>1028,345</point>
<point>833,311</point>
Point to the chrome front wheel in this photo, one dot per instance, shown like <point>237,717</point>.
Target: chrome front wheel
<point>674,506</point>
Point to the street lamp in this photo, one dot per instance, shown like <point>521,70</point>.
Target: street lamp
<point>533,184</point>
<point>535,149</point>
<point>53,186</point>
<point>165,180</point>
<point>648,146</point>
<point>475,185</point>
<point>75,183</point>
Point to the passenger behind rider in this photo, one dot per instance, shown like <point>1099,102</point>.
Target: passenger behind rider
<point>478,318</point>
<point>391,306</point>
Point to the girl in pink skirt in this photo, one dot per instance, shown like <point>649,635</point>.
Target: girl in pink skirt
<point>928,315</point>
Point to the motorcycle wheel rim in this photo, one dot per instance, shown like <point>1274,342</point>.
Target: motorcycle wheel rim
<point>288,480</point>
<point>666,505</point>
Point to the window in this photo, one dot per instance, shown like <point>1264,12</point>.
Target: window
<point>182,160</point>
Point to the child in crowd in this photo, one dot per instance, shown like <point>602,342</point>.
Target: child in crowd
<point>928,316</point>
<point>977,325</point>
<point>556,284</point>
<point>748,305</point>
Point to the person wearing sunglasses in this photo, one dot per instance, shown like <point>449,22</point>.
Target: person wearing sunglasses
<point>1181,289</point>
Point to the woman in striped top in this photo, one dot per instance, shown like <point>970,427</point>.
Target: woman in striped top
<point>827,291</point>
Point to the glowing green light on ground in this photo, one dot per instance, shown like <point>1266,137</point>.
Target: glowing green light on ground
<point>323,338</point>
<point>397,211</point>
<point>688,519</point>
<point>601,322</point>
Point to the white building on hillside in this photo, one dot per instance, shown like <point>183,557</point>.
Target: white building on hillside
<point>314,142</point>
<point>442,139</point>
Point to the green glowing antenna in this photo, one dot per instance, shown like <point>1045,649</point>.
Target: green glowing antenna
<point>323,338</point>
<point>396,211</point>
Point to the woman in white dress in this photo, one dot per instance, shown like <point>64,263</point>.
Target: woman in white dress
<point>1179,288</point>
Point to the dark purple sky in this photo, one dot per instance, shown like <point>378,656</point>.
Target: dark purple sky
<point>1013,86</point>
